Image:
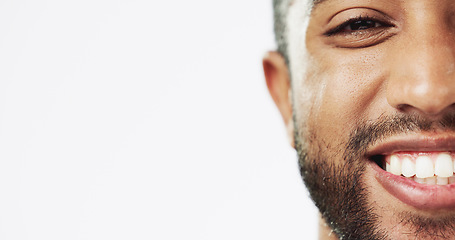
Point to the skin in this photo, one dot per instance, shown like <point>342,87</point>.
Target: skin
<point>404,64</point>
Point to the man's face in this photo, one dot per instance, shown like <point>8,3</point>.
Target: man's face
<point>373,105</point>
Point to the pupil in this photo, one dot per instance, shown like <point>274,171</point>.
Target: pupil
<point>362,24</point>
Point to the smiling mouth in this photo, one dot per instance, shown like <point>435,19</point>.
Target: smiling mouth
<point>432,168</point>
<point>418,170</point>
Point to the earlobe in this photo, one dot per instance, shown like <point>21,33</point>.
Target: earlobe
<point>278,82</point>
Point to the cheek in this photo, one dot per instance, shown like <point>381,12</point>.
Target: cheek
<point>347,89</point>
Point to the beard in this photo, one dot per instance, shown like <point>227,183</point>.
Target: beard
<point>334,176</point>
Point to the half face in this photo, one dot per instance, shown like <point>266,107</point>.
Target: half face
<point>373,100</point>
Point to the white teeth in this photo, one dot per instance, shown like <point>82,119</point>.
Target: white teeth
<point>430,180</point>
<point>419,180</point>
<point>408,167</point>
<point>395,165</point>
<point>424,167</point>
<point>442,180</point>
<point>443,166</point>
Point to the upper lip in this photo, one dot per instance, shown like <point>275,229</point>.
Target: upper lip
<point>421,142</point>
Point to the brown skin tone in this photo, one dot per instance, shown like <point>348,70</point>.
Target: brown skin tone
<point>403,63</point>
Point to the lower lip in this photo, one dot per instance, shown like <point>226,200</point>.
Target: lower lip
<point>415,194</point>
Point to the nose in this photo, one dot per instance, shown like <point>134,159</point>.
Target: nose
<point>422,77</point>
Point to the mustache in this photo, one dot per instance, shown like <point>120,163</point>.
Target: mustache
<point>369,132</point>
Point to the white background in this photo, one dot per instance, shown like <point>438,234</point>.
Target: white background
<point>140,119</point>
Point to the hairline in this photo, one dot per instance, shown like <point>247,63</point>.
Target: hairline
<point>280,10</point>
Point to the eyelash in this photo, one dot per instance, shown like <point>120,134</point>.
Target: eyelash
<point>339,29</point>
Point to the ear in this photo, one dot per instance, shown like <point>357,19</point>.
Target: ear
<point>278,82</point>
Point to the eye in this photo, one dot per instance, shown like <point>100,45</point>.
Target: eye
<point>361,25</point>
<point>359,28</point>
<point>357,25</point>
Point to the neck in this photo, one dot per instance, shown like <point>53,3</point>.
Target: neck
<point>325,232</point>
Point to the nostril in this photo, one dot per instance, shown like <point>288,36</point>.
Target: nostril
<point>428,110</point>
<point>403,107</point>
